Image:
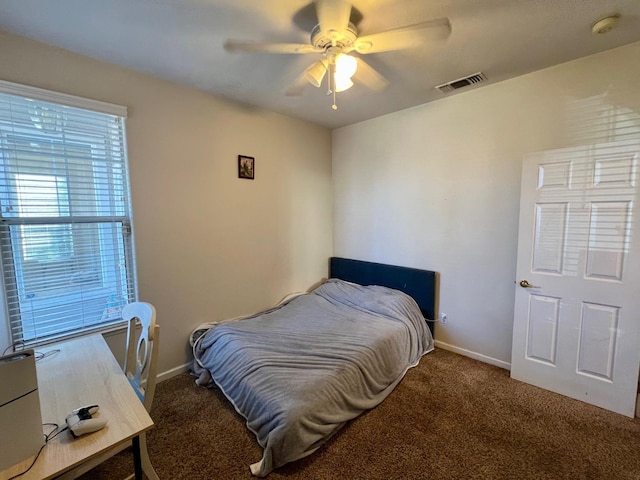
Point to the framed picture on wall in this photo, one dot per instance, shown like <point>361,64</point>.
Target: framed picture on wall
<point>246,167</point>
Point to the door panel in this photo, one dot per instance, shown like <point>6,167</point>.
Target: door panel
<point>550,237</point>
<point>596,350</point>
<point>577,318</point>
<point>542,335</point>
<point>609,225</point>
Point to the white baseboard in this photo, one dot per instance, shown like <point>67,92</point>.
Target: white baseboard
<point>173,372</point>
<point>474,355</point>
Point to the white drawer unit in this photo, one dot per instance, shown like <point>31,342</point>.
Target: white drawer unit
<point>20,418</point>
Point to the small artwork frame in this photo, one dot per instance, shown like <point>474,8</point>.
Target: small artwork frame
<point>246,167</point>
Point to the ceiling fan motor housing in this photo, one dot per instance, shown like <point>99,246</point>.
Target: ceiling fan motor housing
<point>330,38</point>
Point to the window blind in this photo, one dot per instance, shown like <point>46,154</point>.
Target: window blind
<point>65,233</point>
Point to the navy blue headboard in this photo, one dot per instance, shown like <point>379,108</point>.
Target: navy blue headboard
<point>422,285</point>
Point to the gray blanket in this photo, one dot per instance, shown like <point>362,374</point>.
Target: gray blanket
<point>297,373</point>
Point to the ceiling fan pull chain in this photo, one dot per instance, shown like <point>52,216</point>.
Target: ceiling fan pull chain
<point>331,82</point>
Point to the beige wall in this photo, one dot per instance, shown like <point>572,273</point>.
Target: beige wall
<point>438,186</point>
<point>209,245</point>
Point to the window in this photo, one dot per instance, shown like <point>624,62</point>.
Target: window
<point>65,232</point>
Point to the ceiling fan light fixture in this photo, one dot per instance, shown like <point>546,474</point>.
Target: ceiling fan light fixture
<point>316,72</point>
<point>346,65</point>
<point>342,83</point>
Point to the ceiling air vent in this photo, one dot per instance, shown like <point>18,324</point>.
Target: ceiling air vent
<point>462,82</point>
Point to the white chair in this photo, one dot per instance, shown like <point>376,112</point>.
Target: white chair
<point>140,367</point>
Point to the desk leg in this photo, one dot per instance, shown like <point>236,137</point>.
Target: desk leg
<point>137,463</point>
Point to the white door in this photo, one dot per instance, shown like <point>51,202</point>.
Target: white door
<point>577,305</point>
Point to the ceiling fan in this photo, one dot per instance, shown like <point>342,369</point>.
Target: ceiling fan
<point>336,39</point>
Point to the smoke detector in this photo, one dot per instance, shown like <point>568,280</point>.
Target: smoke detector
<point>605,25</point>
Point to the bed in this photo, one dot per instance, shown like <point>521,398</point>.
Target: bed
<point>300,371</point>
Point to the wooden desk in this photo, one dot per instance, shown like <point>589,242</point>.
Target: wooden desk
<point>84,372</point>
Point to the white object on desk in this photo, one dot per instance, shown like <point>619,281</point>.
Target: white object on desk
<point>20,419</point>
<point>81,421</point>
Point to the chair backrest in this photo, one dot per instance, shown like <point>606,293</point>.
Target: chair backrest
<point>140,365</point>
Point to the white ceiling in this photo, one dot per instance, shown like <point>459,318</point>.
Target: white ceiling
<point>182,41</point>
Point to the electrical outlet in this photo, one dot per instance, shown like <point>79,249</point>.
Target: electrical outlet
<point>443,317</point>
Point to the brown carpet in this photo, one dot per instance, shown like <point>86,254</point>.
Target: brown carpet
<point>450,418</point>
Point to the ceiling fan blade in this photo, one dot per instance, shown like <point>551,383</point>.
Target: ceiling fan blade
<point>333,15</point>
<point>369,77</point>
<point>404,37</point>
<point>252,47</point>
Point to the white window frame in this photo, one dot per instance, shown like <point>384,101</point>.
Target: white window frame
<point>9,268</point>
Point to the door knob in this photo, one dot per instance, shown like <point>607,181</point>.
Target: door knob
<point>526,284</point>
